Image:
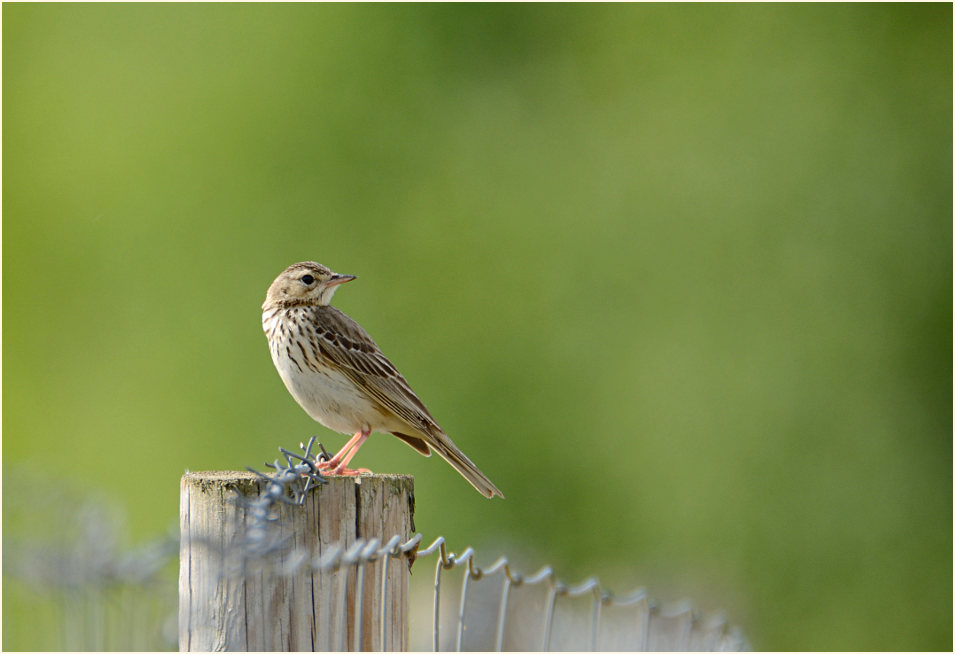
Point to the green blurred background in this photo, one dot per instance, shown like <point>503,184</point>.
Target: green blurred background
<point>677,278</point>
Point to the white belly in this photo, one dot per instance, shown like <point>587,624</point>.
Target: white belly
<point>327,395</point>
<point>330,398</point>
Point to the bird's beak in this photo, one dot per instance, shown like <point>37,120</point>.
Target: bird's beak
<point>339,279</point>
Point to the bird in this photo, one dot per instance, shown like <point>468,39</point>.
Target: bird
<point>339,376</point>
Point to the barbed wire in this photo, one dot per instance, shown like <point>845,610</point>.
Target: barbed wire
<point>92,562</point>
<point>689,630</point>
<point>300,473</point>
<point>289,484</point>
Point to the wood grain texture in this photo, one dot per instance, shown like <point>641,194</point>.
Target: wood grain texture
<point>228,602</point>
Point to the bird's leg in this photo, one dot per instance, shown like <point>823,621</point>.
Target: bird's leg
<point>338,464</point>
<point>343,469</point>
<point>335,460</point>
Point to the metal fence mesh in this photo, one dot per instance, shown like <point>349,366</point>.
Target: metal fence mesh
<point>76,586</point>
<point>71,581</point>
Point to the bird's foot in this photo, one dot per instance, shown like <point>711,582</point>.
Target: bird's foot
<point>344,471</point>
<point>337,466</point>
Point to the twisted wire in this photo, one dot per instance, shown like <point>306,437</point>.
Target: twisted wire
<point>293,476</point>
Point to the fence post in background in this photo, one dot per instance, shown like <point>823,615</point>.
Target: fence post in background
<point>229,600</point>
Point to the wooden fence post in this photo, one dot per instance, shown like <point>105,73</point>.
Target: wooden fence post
<point>227,602</point>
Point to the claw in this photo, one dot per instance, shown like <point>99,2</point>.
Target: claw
<point>341,470</point>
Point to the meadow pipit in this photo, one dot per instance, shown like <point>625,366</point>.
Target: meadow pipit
<point>338,375</point>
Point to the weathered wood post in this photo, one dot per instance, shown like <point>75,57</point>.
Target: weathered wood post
<point>229,602</point>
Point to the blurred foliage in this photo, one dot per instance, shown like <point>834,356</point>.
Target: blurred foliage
<point>677,278</point>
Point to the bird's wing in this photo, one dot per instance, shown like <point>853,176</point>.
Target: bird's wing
<point>346,345</point>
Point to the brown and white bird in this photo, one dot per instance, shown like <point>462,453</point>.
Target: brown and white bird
<point>336,372</point>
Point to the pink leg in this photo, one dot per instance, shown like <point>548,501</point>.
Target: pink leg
<point>335,460</point>
<point>363,436</point>
<point>338,464</point>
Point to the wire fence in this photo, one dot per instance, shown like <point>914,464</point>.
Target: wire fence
<point>72,582</point>
<point>85,591</point>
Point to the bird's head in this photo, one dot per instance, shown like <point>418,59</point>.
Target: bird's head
<point>304,283</point>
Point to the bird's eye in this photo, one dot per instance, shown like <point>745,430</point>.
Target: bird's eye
<point>307,280</point>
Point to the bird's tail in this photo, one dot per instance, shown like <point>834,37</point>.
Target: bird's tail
<point>448,451</point>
